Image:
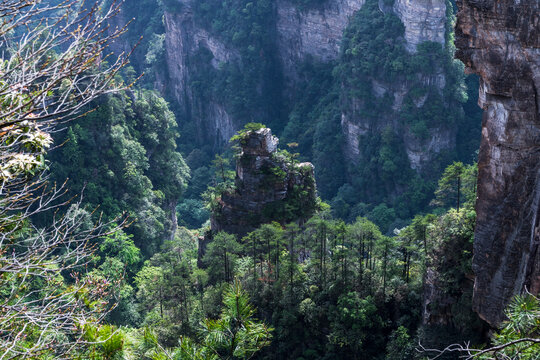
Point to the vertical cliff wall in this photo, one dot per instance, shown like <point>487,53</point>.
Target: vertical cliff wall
<point>184,38</point>
<point>332,76</point>
<point>424,20</point>
<point>500,41</point>
<point>314,32</point>
<point>401,93</point>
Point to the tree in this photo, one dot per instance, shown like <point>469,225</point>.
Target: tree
<point>457,185</point>
<point>364,235</point>
<point>221,168</point>
<point>53,63</point>
<point>235,335</point>
<point>54,60</point>
<point>220,257</point>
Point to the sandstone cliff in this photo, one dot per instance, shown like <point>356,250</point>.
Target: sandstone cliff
<point>183,39</point>
<point>424,20</point>
<point>263,77</point>
<point>314,32</point>
<point>409,93</point>
<point>420,151</point>
<point>269,186</point>
<point>306,34</point>
<point>500,41</point>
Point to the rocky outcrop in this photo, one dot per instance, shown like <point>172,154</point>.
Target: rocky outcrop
<point>500,41</point>
<point>315,32</point>
<point>269,186</point>
<point>420,151</point>
<point>183,39</point>
<point>424,20</point>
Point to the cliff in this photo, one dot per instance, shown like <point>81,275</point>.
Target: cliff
<point>420,151</point>
<point>500,41</point>
<point>269,186</point>
<point>418,103</point>
<point>184,38</point>
<point>424,20</point>
<point>313,32</point>
<point>285,64</point>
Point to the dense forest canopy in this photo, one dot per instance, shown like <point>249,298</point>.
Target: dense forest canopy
<point>115,190</point>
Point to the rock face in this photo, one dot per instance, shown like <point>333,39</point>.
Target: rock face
<point>420,152</point>
<point>315,32</point>
<point>269,187</point>
<point>183,38</point>
<point>500,41</point>
<point>424,20</point>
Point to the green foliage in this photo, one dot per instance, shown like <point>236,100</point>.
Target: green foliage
<point>124,157</point>
<point>220,257</point>
<point>192,213</point>
<point>523,322</point>
<point>357,324</point>
<point>107,343</point>
<point>330,289</point>
<point>400,347</point>
<point>241,135</point>
<point>235,335</point>
<point>457,186</point>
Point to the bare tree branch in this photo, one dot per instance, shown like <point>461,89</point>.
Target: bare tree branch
<point>53,63</point>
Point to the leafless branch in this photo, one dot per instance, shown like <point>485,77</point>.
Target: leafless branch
<point>53,63</point>
<point>471,353</point>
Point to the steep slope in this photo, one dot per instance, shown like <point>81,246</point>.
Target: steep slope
<point>500,41</point>
<point>315,32</point>
<point>396,101</point>
<point>183,40</point>
<point>424,20</point>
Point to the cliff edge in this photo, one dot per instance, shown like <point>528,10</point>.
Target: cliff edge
<point>500,41</point>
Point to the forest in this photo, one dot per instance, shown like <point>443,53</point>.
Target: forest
<point>134,226</point>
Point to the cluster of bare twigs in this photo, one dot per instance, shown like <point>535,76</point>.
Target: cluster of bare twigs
<point>53,62</point>
<point>466,352</point>
<point>518,339</point>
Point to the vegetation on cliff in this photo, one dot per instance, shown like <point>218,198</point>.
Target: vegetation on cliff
<point>276,272</point>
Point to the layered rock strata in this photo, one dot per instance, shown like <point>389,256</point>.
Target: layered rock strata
<point>183,38</point>
<point>424,20</point>
<point>314,32</point>
<point>268,187</point>
<point>500,41</point>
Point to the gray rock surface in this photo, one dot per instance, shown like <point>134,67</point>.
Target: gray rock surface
<point>419,151</point>
<point>424,20</point>
<point>500,41</point>
<point>183,38</point>
<point>315,32</point>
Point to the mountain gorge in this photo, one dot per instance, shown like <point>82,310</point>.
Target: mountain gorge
<point>374,84</point>
<point>271,179</point>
